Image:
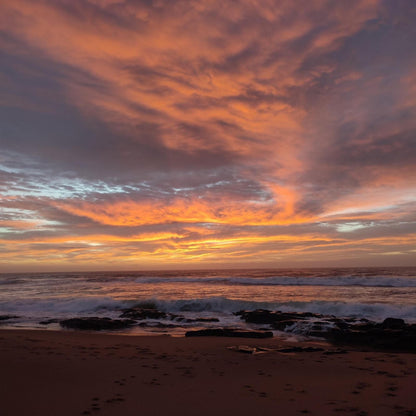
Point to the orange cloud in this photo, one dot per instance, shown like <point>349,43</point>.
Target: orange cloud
<point>207,210</point>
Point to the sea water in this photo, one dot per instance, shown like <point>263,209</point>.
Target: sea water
<point>371,293</point>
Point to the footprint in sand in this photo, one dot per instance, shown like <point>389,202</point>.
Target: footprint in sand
<point>95,406</point>
<point>360,386</point>
<point>155,382</point>
<point>116,399</point>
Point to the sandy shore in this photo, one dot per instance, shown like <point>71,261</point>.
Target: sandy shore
<point>73,373</point>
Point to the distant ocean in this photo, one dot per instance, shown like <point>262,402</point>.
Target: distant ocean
<point>372,293</point>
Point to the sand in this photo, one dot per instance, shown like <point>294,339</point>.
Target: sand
<point>74,373</point>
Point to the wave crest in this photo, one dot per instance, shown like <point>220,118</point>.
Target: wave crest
<point>106,306</point>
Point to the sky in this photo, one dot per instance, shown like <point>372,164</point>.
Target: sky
<point>156,134</point>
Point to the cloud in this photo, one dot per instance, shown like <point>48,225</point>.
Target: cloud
<point>126,118</point>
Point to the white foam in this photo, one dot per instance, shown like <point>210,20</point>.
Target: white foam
<point>60,306</point>
<point>106,305</point>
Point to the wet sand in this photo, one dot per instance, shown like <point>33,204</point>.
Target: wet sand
<point>75,373</point>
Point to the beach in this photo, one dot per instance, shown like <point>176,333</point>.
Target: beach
<point>81,373</point>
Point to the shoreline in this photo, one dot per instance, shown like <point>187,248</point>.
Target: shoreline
<point>50,372</point>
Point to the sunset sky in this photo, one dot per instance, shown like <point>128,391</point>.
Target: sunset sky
<point>207,133</point>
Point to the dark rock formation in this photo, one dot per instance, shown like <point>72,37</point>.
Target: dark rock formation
<point>388,335</point>
<point>140,313</point>
<point>393,323</point>
<point>96,324</point>
<point>391,334</point>
<point>7,317</point>
<point>264,316</point>
<point>276,319</point>
<point>201,320</point>
<point>227,332</point>
<point>49,321</point>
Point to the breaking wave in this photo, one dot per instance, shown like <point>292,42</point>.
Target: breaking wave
<point>106,306</point>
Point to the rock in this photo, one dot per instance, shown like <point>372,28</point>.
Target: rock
<point>340,323</point>
<point>202,320</point>
<point>140,313</point>
<point>227,332</point>
<point>393,323</point>
<point>264,316</point>
<point>282,325</point>
<point>96,324</point>
<point>376,336</point>
<point>7,317</point>
<point>391,334</point>
<point>49,321</point>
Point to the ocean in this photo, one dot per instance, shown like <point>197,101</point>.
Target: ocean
<point>371,293</point>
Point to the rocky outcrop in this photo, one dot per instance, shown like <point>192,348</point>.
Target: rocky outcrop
<point>49,321</point>
<point>388,335</point>
<point>96,324</point>
<point>391,334</point>
<point>7,317</point>
<point>229,332</point>
<point>276,319</point>
<point>189,320</point>
<point>140,313</point>
<point>393,323</point>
